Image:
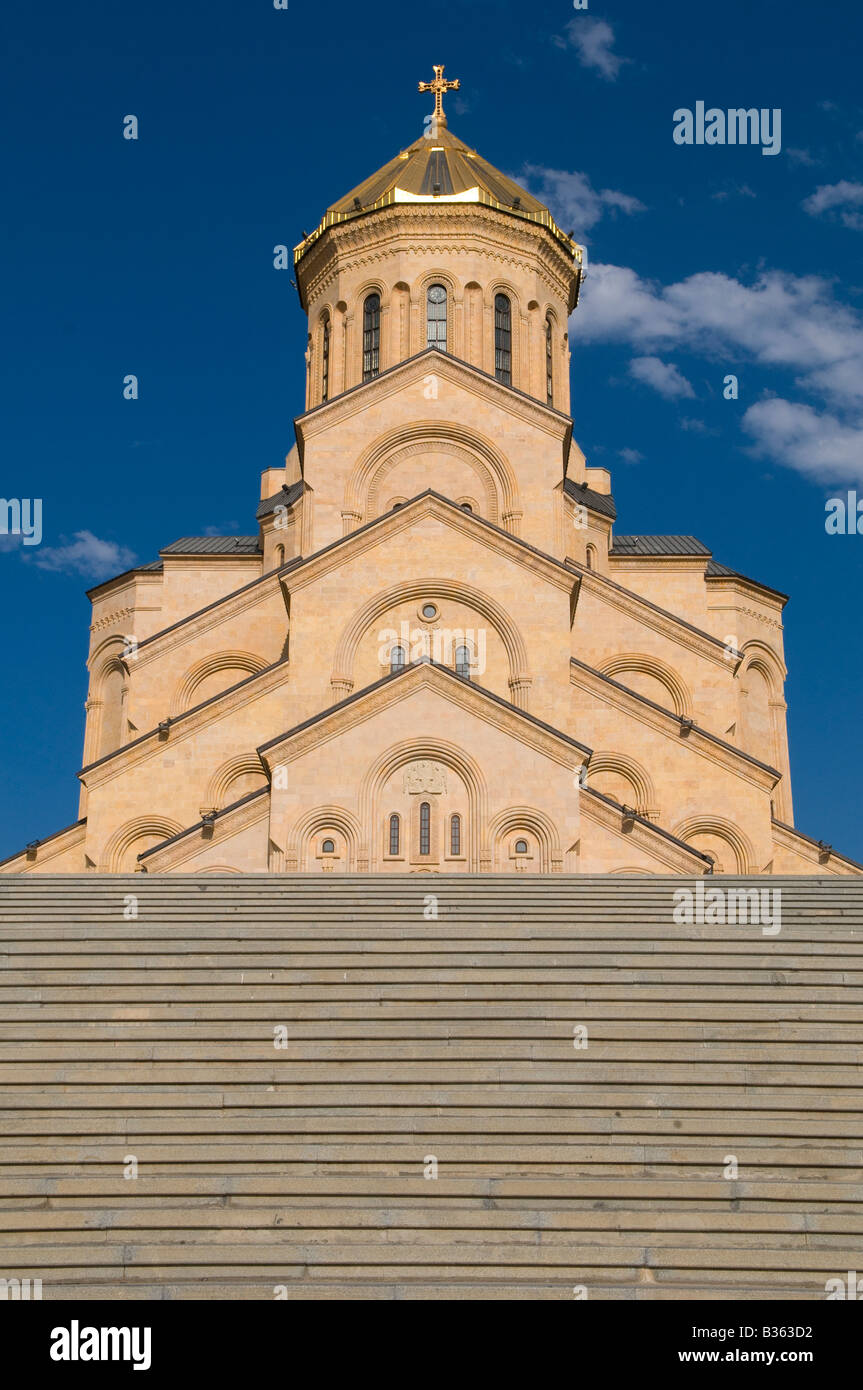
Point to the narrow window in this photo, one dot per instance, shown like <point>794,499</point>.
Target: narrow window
<point>325,360</point>
<point>503,339</point>
<point>462,662</point>
<point>395,829</point>
<point>425,828</point>
<point>521,846</point>
<point>436,317</point>
<point>591,556</point>
<point>328,847</point>
<point>397,659</point>
<point>371,336</point>
<point>549,374</point>
<point>455,835</point>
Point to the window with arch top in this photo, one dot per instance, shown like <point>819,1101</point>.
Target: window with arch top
<point>503,339</point>
<point>521,846</point>
<point>549,373</point>
<point>436,317</point>
<point>371,336</point>
<point>425,828</point>
<point>455,835</point>
<point>395,834</point>
<point>462,662</point>
<point>397,660</point>
<point>328,847</point>
<point>325,358</point>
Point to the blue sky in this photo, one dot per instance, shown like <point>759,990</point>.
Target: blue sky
<point>154,257</point>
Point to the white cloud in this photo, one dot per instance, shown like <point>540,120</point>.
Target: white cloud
<point>630,455</point>
<point>780,321</point>
<point>593,41</point>
<point>837,199</point>
<point>740,190</point>
<point>801,157</point>
<point>661,376</point>
<point>572,199</point>
<point>87,555</point>
<point>819,445</point>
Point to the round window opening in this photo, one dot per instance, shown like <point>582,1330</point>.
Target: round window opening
<point>328,847</point>
<point>521,846</point>
<point>429,610</point>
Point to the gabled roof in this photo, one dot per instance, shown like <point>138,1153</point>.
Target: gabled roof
<point>285,497</point>
<point>601,502</point>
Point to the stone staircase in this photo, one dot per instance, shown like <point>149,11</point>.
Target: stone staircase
<point>265,1171</point>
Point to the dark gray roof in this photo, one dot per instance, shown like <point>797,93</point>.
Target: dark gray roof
<point>716,571</point>
<point>213,545</point>
<point>601,502</point>
<point>285,497</point>
<point>658,545</point>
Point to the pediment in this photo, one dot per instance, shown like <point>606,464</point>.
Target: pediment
<point>444,692</point>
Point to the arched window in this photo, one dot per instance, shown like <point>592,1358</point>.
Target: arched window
<point>436,317</point>
<point>371,336</point>
<point>397,659</point>
<point>455,835</point>
<point>328,847</point>
<point>466,507</point>
<point>549,374</point>
<point>503,339</point>
<point>521,846</point>
<point>591,557</point>
<point>395,834</point>
<point>279,555</point>
<point>425,828</point>
<point>325,359</point>
<point>462,662</point>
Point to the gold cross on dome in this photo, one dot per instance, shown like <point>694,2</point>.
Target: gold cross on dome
<point>440,85</point>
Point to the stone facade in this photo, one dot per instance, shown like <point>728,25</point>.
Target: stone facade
<point>435,654</point>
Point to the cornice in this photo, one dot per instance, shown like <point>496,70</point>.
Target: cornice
<point>393,380</point>
<point>179,849</point>
<point>153,744</point>
<point>651,839</point>
<point>670,725</point>
<point>428,504</point>
<point>650,615</point>
<point>378,698</point>
<point>382,231</point>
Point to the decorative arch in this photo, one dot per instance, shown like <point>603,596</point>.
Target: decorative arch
<point>760,657</point>
<point>342,679</point>
<point>377,501</point>
<point>490,464</point>
<point>622,765</point>
<point>681,699</point>
<point>725,830</point>
<point>244,765</point>
<point>219,869</point>
<point>314,823</point>
<point>210,666</point>
<point>514,818</point>
<point>437,750</point>
<point>117,851</point>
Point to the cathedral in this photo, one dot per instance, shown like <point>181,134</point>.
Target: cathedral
<point>436,653</point>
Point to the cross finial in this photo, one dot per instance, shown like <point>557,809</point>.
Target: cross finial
<point>440,85</point>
